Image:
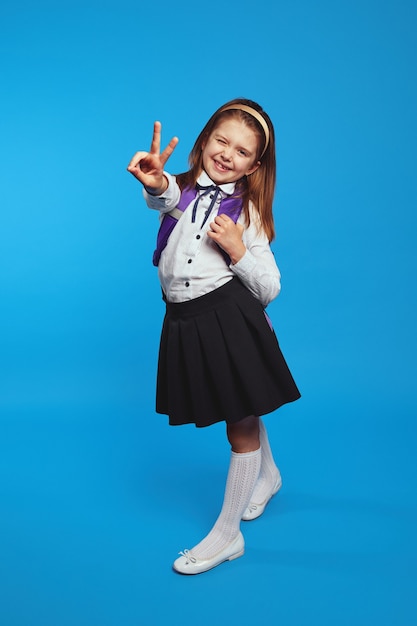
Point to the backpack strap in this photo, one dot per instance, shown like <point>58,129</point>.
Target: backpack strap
<point>169,221</point>
<point>231,206</point>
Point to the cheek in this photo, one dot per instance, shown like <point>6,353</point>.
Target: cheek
<point>244,165</point>
<point>253,166</point>
<point>207,148</point>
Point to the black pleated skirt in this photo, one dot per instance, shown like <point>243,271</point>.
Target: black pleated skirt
<point>219,360</point>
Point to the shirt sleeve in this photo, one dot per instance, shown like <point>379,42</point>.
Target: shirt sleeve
<point>166,201</point>
<point>257,268</point>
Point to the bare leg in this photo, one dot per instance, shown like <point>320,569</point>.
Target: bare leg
<point>244,435</point>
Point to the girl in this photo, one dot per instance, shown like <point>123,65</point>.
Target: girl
<point>219,359</point>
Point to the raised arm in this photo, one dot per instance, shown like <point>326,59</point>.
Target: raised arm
<point>148,167</point>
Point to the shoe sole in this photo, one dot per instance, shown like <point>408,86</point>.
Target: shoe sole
<point>232,557</point>
<point>190,572</point>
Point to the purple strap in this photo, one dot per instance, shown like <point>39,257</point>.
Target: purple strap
<point>231,206</point>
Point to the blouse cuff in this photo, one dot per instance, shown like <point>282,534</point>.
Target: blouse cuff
<point>167,200</point>
<point>245,266</point>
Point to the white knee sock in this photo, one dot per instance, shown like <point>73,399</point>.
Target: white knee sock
<point>269,473</point>
<point>243,474</point>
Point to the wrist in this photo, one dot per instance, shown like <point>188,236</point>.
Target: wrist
<point>157,191</point>
<point>237,254</point>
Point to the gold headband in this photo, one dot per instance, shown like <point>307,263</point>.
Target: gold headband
<point>258,117</point>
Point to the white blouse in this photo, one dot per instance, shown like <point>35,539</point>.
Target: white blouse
<point>191,265</point>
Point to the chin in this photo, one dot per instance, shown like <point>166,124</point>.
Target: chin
<point>221,178</point>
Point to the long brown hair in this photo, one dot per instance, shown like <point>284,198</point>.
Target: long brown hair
<point>258,187</point>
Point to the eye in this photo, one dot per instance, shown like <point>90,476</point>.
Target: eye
<point>220,140</point>
<point>243,153</point>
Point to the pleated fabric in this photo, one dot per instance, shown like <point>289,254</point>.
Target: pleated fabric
<point>219,360</point>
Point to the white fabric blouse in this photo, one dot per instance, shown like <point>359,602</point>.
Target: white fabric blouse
<point>191,265</point>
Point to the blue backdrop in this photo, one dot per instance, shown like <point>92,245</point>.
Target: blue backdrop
<point>98,494</point>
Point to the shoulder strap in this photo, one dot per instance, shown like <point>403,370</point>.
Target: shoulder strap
<point>169,221</point>
<point>231,206</point>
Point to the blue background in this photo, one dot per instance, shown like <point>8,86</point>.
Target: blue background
<point>98,494</point>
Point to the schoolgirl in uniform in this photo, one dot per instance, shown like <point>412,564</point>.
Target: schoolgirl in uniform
<point>219,358</point>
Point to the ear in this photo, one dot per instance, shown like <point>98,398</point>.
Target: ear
<point>253,168</point>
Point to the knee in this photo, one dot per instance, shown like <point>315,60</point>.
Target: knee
<point>243,436</point>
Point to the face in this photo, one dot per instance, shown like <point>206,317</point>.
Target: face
<point>230,152</point>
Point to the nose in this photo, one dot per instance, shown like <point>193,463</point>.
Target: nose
<point>226,154</point>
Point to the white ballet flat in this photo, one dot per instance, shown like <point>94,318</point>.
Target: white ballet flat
<point>254,510</point>
<point>189,564</point>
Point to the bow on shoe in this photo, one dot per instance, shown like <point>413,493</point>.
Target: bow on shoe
<point>187,555</point>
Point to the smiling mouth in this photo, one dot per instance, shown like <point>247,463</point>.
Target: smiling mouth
<point>222,167</point>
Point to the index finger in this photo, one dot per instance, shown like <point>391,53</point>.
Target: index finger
<point>156,138</point>
<point>224,217</point>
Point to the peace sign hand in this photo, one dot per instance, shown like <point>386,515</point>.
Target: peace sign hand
<point>148,167</point>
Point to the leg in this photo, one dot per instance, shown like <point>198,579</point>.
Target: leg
<point>225,541</point>
<point>269,481</point>
<point>244,435</point>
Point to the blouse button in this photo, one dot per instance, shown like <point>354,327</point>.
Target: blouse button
<point>198,237</point>
<point>187,284</point>
<point>190,260</point>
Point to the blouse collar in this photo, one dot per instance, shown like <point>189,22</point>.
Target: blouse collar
<point>205,181</point>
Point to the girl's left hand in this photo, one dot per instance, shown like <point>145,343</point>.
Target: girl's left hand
<point>229,236</point>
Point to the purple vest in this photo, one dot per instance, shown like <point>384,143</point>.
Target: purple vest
<point>231,206</point>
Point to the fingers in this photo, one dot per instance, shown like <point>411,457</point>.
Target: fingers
<point>145,169</point>
<point>226,223</point>
<point>169,149</point>
<point>224,229</point>
<point>156,138</point>
<point>156,144</point>
<point>136,159</point>
<point>152,161</point>
<point>228,236</point>
<point>222,221</point>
